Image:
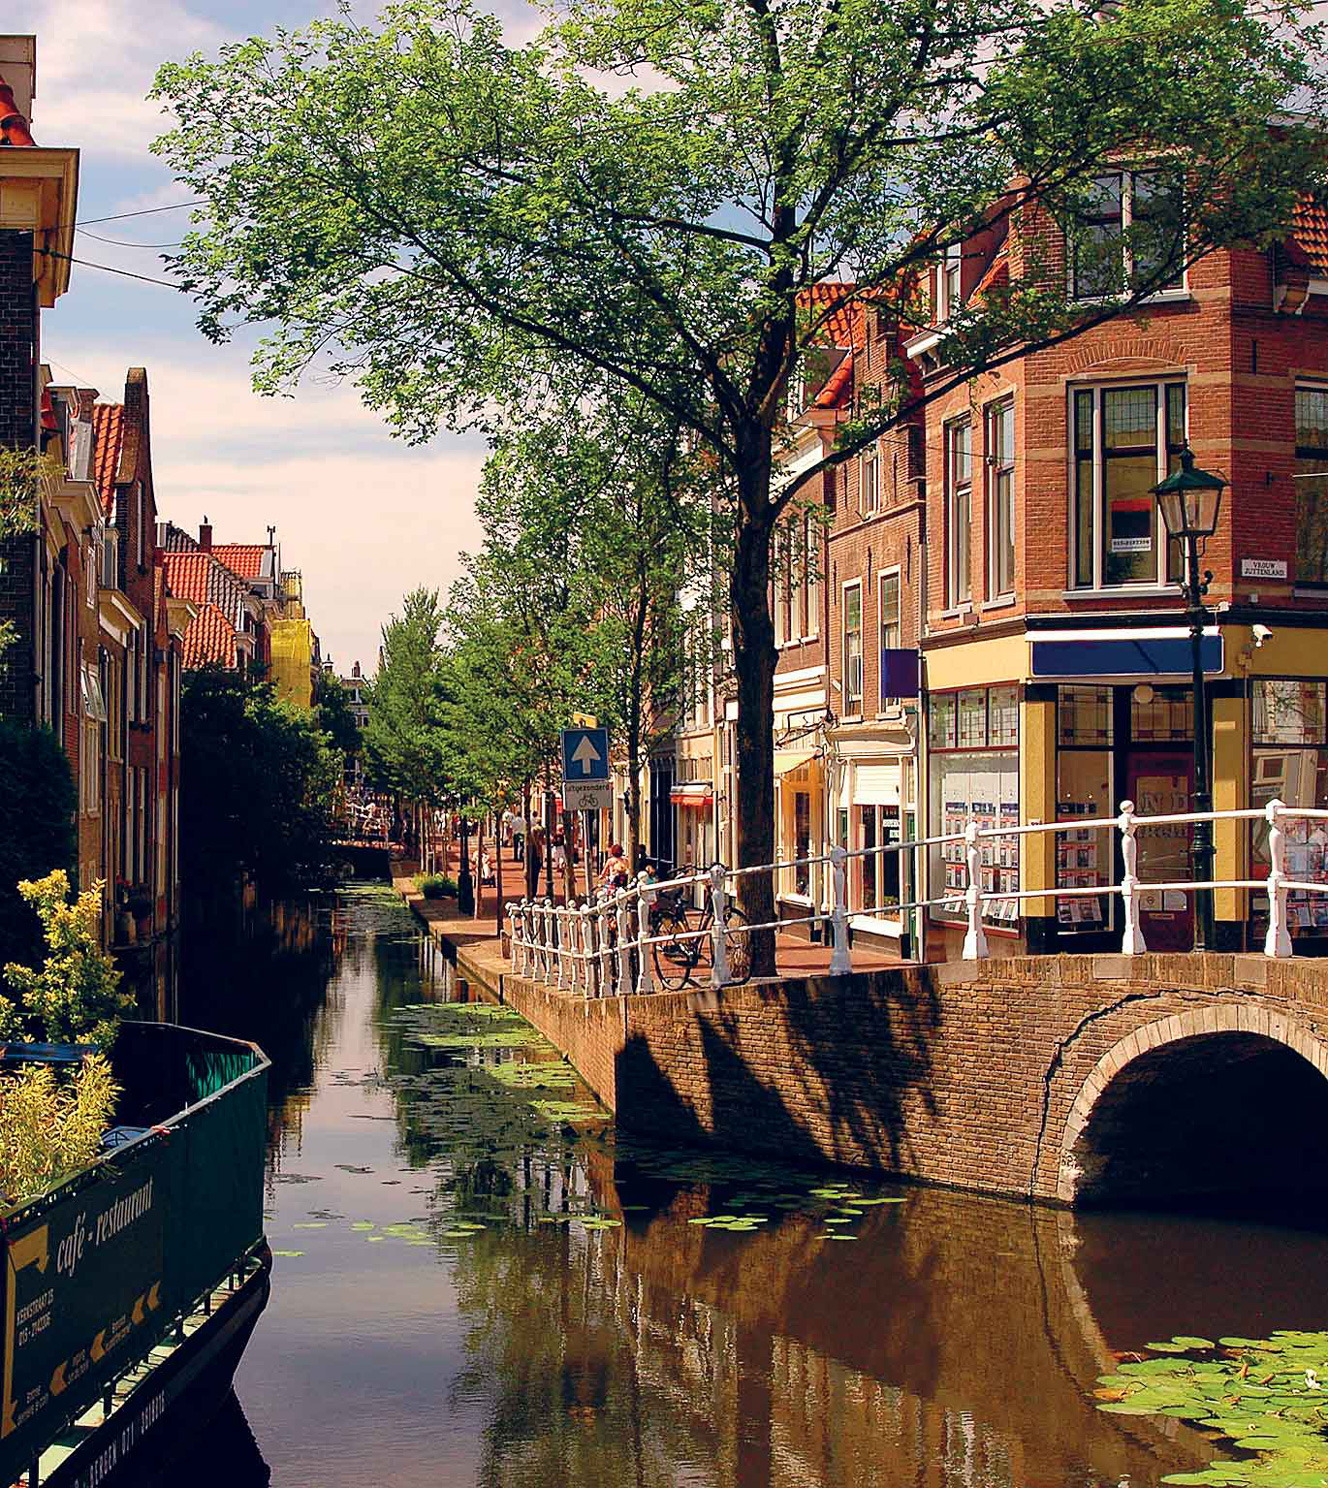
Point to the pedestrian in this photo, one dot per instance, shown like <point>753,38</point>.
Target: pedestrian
<point>518,838</point>
<point>534,860</point>
<point>614,874</point>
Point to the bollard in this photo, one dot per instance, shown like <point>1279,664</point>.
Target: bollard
<point>645,900</point>
<point>622,925</point>
<point>975,937</point>
<point>841,962</point>
<point>719,970</point>
<point>1132,941</point>
<point>1277,942</point>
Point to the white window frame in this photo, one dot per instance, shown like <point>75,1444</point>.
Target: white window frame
<point>812,577</point>
<point>1159,385</point>
<point>954,599</point>
<point>894,571</point>
<point>1170,292</point>
<point>850,710</point>
<point>869,487</point>
<point>952,261</point>
<point>990,414</point>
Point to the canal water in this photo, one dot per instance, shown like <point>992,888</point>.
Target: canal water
<point>478,1282</point>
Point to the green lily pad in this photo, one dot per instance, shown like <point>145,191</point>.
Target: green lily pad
<point>289,1254</point>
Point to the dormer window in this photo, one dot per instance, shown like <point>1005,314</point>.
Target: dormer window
<point>1138,203</point>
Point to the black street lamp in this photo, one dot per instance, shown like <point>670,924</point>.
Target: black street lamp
<point>1189,502</point>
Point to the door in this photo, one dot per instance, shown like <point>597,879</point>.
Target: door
<point>1160,784</point>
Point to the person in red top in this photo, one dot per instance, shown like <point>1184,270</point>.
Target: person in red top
<point>614,874</point>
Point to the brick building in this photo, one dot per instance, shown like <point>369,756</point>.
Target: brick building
<point>1055,656</point>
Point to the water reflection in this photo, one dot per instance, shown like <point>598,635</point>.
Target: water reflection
<point>956,1341</point>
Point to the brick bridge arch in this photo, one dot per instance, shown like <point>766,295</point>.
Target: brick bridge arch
<point>1242,1030</point>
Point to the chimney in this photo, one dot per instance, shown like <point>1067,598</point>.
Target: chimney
<point>355,670</point>
<point>18,67</point>
<point>271,537</point>
<point>205,534</point>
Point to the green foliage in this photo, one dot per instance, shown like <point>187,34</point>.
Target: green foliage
<point>334,715</point>
<point>258,779</point>
<point>404,747</point>
<point>436,885</point>
<point>1267,1395</point>
<point>34,769</point>
<point>75,997</point>
<point>21,473</point>
<point>51,1125</point>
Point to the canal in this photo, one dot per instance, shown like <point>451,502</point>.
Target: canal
<point>478,1282</point>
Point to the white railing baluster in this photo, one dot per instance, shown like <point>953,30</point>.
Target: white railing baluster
<point>560,927</point>
<point>511,938</point>
<point>840,960</point>
<point>546,942</point>
<point>719,970</point>
<point>586,918</point>
<point>1277,942</point>
<point>975,937</point>
<point>605,945</point>
<point>645,899</point>
<point>1132,937</point>
<point>523,918</point>
<point>623,927</point>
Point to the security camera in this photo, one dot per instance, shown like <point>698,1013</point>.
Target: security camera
<point>1261,634</point>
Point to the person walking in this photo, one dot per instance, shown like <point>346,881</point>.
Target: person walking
<point>534,860</point>
<point>518,838</point>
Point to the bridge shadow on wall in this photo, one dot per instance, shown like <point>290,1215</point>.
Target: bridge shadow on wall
<point>1226,1122</point>
<point>811,1070</point>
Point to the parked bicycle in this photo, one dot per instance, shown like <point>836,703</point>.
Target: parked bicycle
<point>685,952</point>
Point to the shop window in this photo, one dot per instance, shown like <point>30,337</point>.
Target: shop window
<point>958,512</point>
<point>1126,439</point>
<point>1084,855</point>
<point>852,664</point>
<point>802,840</point>
<point>1312,485</point>
<point>1000,500</point>
<point>1288,712</point>
<point>876,876</point>
<point>1161,715</point>
<point>1083,716</point>
<point>975,775</point>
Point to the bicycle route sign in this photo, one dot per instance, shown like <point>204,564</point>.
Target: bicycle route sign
<point>586,784</point>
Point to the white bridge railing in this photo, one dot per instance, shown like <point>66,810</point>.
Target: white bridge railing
<point>606,945</point>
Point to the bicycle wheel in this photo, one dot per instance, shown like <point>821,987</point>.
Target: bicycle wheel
<point>738,944</point>
<point>674,957</point>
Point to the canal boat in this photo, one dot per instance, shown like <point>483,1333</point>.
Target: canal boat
<point>131,1289</point>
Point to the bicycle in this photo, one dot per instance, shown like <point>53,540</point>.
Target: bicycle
<point>687,946</point>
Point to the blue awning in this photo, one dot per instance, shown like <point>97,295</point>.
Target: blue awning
<point>1159,651</point>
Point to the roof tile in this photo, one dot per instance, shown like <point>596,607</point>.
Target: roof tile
<point>243,559</point>
<point>1309,226</point>
<point>107,444</point>
<point>210,639</point>
<point>187,574</point>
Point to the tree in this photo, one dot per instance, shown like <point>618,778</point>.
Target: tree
<point>402,741</point>
<point>50,1127</point>
<point>334,715</point>
<point>648,191</point>
<point>258,778</point>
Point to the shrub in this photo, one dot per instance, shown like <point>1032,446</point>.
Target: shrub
<point>75,997</point>
<point>436,886</point>
<point>51,1126</point>
<point>36,837</point>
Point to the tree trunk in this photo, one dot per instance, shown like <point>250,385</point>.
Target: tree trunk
<point>754,659</point>
<point>479,863</point>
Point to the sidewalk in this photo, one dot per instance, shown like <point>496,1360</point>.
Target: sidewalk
<point>794,956</point>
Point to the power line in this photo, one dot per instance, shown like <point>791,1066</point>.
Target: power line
<point>122,242</point>
<point>107,269</point>
<point>146,212</point>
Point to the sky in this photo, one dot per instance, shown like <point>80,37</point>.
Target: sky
<point>364,517</point>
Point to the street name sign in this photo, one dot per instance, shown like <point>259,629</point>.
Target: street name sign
<point>586,784</point>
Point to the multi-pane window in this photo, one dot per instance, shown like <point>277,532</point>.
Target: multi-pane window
<point>811,547</point>
<point>958,512</point>
<point>1312,485</point>
<point>852,664</point>
<point>1000,499</point>
<point>1126,439</point>
<point>951,283</point>
<point>1130,228</point>
<point>891,631</point>
<point>780,585</point>
<point>871,493</point>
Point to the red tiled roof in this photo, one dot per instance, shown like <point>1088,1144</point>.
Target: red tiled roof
<point>209,639</point>
<point>188,574</point>
<point>838,387</point>
<point>13,126</point>
<point>107,444</point>
<point>844,323</point>
<point>1309,227</point>
<point>244,559</point>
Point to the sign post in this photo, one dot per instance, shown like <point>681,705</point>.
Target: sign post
<point>586,784</point>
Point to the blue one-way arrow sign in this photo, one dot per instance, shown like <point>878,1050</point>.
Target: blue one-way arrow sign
<point>585,755</point>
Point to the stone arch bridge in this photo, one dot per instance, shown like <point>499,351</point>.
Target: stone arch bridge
<point>1069,1079</point>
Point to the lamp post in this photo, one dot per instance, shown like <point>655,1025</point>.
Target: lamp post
<point>1189,501</point>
